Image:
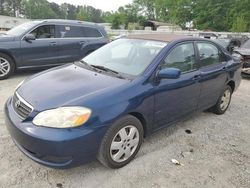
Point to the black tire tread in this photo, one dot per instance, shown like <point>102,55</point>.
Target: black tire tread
<point>216,108</point>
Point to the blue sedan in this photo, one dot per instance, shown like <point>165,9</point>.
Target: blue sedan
<point>104,105</point>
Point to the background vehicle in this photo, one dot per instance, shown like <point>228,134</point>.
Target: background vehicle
<point>228,44</point>
<point>208,35</point>
<point>48,43</point>
<point>114,97</point>
<point>244,52</point>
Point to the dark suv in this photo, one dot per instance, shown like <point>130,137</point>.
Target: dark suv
<point>48,43</point>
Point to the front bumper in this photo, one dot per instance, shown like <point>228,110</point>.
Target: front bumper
<point>58,148</point>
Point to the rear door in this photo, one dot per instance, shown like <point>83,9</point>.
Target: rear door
<point>76,42</point>
<point>212,65</point>
<point>175,98</point>
<point>44,50</point>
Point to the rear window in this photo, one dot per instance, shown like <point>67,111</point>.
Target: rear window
<point>77,31</point>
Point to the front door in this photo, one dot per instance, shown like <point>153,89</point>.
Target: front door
<point>44,50</point>
<point>175,98</point>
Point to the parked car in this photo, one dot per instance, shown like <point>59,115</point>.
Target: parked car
<point>208,35</point>
<point>229,44</point>
<point>103,106</point>
<point>48,43</point>
<point>244,54</point>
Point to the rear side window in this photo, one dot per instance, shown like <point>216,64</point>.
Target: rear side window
<point>209,54</point>
<point>45,31</point>
<point>181,57</point>
<point>77,31</point>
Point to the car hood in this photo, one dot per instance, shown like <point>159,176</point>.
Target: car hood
<point>61,86</point>
<point>243,51</point>
<point>6,38</point>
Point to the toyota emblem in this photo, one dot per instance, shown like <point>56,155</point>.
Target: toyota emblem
<point>18,104</point>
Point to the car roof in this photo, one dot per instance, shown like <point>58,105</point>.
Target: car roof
<point>70,22</point>
<point>159,37</point>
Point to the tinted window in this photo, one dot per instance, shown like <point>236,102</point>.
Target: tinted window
<point>181,57</point>
<point>91,32</point>
<point>76,31</point>
<point>209,54</point>
<point>45,31</point>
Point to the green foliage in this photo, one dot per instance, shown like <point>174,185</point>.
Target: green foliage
<point>38,9</point>
<point>118,20</point>
<point>240,25</point>
<point>216,15</point>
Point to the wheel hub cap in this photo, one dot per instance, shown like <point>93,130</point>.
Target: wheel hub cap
<point>4,67</point>
<point>225,100</point>
<point>124,143</point>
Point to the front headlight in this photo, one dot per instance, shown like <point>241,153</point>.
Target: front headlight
<point>63,117</point>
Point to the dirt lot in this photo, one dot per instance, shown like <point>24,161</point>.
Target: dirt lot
<point>219,157</point>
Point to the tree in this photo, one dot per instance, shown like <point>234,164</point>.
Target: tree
<point>240,25</point>
<point>70,11</point>
<point>38,9</point>
<point>148,8</point>
<point>59,12</point>
<point>118,20</point>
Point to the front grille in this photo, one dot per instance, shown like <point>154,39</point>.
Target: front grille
<point>21,107</point>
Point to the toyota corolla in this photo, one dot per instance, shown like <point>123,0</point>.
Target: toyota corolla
<point>103,106</point>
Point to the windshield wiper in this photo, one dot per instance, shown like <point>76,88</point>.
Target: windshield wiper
<point>108,70</point>
<point>104,68</point>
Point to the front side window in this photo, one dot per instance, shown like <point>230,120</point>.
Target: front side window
<point>209,54</point>
<point>181,57</point>
<point>43,32</point>
<point>126,56</point>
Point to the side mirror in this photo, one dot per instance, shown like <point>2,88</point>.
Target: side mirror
<point>30,37</point>
<point>169,73</point>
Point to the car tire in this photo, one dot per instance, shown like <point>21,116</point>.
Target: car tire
<point>7,66</point>
<point>121,142</point>
<point>223,101</point>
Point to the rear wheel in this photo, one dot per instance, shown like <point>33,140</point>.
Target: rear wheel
<point>7,66</point>
<point>121,142</point>
<point>223,102</point>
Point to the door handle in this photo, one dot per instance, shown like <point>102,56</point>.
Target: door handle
<point>82,42</point>
<point>53,44</point>
<point>224,68</point>
<point>196,77</point>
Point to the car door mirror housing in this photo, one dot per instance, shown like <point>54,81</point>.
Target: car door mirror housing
<point>30,37</point>
<point>169,73</point>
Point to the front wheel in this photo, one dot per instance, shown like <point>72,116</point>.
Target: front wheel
<point>7,66</point>
<point>121,142</point>
<point>223,102</point>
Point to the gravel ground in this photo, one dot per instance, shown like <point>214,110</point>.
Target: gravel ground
<point>215,154</point>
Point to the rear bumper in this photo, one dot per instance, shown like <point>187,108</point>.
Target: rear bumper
<point>57,148</point>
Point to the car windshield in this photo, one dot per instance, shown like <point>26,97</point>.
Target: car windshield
<point>246,44</point>
<point>126,56</point>
<point>21,29</point>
